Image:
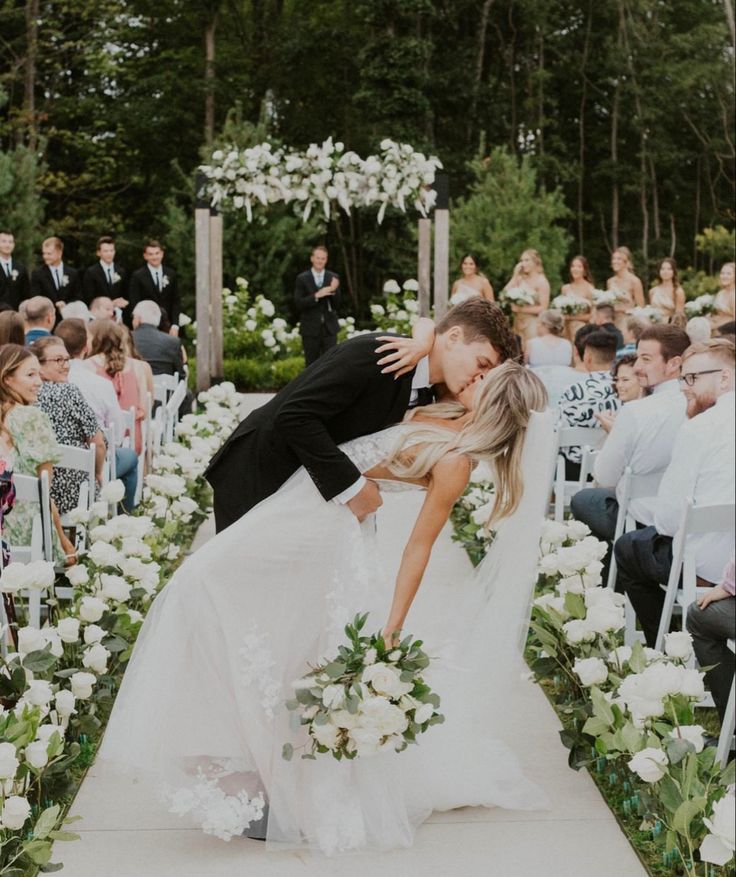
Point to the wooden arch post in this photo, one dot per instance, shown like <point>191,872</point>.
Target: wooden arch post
<point>441,245</point>
<point>208,226</point>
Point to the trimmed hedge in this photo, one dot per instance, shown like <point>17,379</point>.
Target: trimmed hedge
<point>255,375</point>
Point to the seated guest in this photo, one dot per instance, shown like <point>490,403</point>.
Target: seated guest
<point>633,327</point>
<point>727,330</point>
<point>625,383</point>
<point>556,379</point>
<point>109,360</point>
<point>102,308</point>
<point>163,352</point>
<point>106,277</point>
<point>702,467</point>
<point>711,629</point>
<point>39,314</point>
<point>549,347</point>
<point>698,329</point>
<point>642,435</point>
<point>12,328</point>
<point>55,279</point>
<point>590,396</point>
<point>578,346</point>
<point>26,435</point>
<point>73,420</point>
<point>100,396</point>
<point>76,310</point>
<point>603,316</point>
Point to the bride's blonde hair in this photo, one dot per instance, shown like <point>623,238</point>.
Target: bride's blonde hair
<point>495,435</point>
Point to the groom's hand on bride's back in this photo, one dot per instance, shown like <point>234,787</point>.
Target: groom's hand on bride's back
<point>366,501</point>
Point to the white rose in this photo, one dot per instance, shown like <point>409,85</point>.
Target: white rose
<point>14,578</point>
<point>82,684</point>
<point>678,644</point>
<point>719,846</point>
<point>326,735</point>
<point>38,693</point>
<point>101,533</point>
<point>65,703</point>
<point>135,616</point>
<point>343,719</point>
<point>30,639</point>
<point>423,713</point>
<point>8,761</point>
<point>577,631</point>
<point>365,740</point>
<point>370,657</point>
<point>692,733</point>
<point>551,601</point>
<point>649,764</point>
<point>619,656</point>
<point>91,609</point>
<point>115,588</point>
<point>44,733</point>
<point>134,568</point>
<point>381,715</point>
<point>571,585</point>
<point>132,546</point>
<point>572,560</point>
<point>99,509</point>
<point>36,755</point>
<point>549,565</point>
<point>385,680</point>
<point>102,554</point>
<point>52,638</point>
<point>93,633</point>
<point>113,491</point>
<point>692,684</point>
<point>577,530</point>
<point>15,812</point>
<point>590,671</point>
<point>603,619</point>
<point>68,629</point>
<point>40,574</point>
<point>333,696</point>
<point>95,658</point>
<point>77,575</point>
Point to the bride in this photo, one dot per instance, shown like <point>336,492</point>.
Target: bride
<point>201,707</point>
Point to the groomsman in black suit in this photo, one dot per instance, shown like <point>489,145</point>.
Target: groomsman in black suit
<point>105,278</point>
<point>14,284</point>
<point>316,296</point>
<point>55,279</point>
<point>156,283</point>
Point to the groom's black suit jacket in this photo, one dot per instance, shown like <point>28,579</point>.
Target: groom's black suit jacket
<point>339,397</point>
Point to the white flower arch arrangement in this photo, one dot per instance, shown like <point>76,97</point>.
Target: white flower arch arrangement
<point>325,175</point>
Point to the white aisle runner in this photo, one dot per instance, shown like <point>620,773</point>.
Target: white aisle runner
<point>124,834</point>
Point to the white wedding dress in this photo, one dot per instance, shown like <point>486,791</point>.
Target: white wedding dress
<point>201,704</point>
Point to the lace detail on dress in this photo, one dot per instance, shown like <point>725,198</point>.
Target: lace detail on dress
<point>256,661</point>
<point>368,451</point>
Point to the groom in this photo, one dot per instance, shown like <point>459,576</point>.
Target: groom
<point>341,396</point>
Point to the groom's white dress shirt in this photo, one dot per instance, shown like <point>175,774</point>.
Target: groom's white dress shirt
<point>420,381</point>
<point>642,437</point>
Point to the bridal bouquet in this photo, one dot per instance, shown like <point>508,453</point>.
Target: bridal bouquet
<point>653,315</point>
<point>518,295</point>
<point>570,305</point>
<point>607,296</point>
<point>700,306</point>
<point>370,698</point>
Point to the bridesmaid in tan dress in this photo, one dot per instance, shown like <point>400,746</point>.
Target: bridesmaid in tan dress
<point>668,296</point>
<point>472,283</point>
<point>581,286</point>
<point>726,297</point>
<point>625,284</point>
<point>529,274</point>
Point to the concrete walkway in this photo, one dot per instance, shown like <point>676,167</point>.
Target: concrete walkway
<point>124,834</point>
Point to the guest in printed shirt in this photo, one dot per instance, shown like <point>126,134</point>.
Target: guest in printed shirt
<point>592,395</point>
<point>702,467</point>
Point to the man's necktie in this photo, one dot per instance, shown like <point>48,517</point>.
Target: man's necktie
<point>56,278</point>
<point>6,266</point>
<point>109,277</point>
<point>158,281</point>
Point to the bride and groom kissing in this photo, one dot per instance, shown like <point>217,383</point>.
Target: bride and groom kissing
<point>202,705</point>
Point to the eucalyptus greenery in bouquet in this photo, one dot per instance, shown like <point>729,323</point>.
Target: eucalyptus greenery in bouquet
<point>370,698</point>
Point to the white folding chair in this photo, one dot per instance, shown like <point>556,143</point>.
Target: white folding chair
<point>35,492</point>
<point>171,410</point>
<point>569,437</point>
<point>696,521</point>
<point>145,454</point>
<point>725,739</point>
<point>587,464</point>
<point>80,460</point>
<point>128,428</point>
<point>164,386</point>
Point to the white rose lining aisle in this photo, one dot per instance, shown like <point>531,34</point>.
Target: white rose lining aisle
<point>628,712</point>
<point>57,683</point>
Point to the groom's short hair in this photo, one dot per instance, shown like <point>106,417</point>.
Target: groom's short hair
<point>481,320</point>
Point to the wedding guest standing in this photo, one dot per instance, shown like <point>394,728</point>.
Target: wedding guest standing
<point>55,279</point>
<point>106,277</point>
<point>472,283</point>
<point>624,282</point>
<point>726,297</point>
<point>156,282</point>
<point>317,296</point>
<point>668,296</point>
<point>529,276</point>
<point>14,283</point>
<point>549,347</point>
<point>580,287</point>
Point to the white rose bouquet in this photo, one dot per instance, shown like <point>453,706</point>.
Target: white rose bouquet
<point>653,315</point>
<point>517,295</point>
<point>370,698</point>
<point>700,306</point>
<point>570,305</point>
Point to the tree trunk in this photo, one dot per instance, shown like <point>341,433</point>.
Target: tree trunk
<point>696,229</point>
<point>29,91</point>
<point>655,201</point>
<point>728,9</point>
<point>540,98</point>
<point>673,236</point>
<point>581,129</point>
<point>209,79</point>
<point>512,76</point>
<point>480,55</point>
<point>614,166</point>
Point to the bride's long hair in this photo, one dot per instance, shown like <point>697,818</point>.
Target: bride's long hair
<point>495,435</point>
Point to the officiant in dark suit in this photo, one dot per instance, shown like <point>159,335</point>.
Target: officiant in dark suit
<point>15,286</point>
<point>106,278</point>
<point>155,282</point>
<point>316,297</point>
<point>55,279</point>
<point>343,395</point>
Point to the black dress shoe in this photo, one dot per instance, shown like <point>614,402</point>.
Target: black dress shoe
<point>257,830</point>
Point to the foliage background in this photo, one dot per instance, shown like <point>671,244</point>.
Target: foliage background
<point>624,109</point>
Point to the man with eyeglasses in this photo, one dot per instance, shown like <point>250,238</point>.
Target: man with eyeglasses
<point>702,467</point>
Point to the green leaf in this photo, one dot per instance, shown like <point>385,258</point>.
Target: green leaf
<point>40,661</point>
<point>575,605</point>
<point>728,777</point>
<point>50,867</point>
<point>46,822</point>
<point>334,669</point>
<point>669,793</point>
<point>38,851</point>
<point>637,661</point>
<point>287,751</point>
<point>601,706</point>
<point>685,814</point>
<point>595,726</point>
<point>64,835</point>
<point>632,738</point>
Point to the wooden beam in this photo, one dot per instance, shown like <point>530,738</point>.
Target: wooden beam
<point>424,259</point>
<point>216,366</point>
<point>202,260</point>
<point>441,245</point>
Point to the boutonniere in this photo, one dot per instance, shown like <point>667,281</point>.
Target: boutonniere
<point>65,280</point>
<point>164,281</point>
<point>14,274</point>
<point>116,278</point>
